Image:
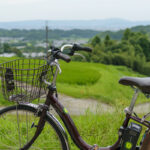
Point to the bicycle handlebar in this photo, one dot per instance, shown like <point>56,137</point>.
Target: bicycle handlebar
<point>60,55</point>
<point>77,47</point>
<point>66,46</point>
<point>57,53</point>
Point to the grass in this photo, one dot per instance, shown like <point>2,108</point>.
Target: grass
<point>101,129</point>
<point>97,129</point>
<point>95,81</point>
<point>5,59</point>
<point>106,89</point>
<point>11,133</point>
<point>78,74</point>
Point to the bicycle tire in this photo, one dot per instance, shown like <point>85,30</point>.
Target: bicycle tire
<point>14,130</point>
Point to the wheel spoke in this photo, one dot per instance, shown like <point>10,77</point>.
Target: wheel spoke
<point>16,131</point>
<point>18,127</point>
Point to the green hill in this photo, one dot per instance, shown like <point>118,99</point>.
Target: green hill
<point>39,34</point>
<point>105,89</point>
<point>117,35</point>
<point>93,80</point>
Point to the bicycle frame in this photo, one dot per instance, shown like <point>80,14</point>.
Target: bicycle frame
<point>64,115</point>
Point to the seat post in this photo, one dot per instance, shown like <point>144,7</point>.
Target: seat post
<point>133,100</point>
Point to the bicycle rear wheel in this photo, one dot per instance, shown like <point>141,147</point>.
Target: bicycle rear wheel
<point>18,125</point>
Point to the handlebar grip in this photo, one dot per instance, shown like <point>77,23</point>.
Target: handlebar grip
<point>62,56</point>
<point>77,47</point>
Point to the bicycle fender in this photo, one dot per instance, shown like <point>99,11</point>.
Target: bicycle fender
<point>61,128</point>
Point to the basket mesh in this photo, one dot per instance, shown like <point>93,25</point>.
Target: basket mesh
<point>22,79</point>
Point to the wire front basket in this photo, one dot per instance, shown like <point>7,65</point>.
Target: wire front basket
<point>22,79</point>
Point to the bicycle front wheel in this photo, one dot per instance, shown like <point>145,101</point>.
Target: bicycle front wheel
<point>18,125</point>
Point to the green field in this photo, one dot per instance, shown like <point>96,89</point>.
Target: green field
<point>104,86</point>
<point>95,81</point>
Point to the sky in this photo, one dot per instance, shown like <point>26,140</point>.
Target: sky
<point>16,10</point>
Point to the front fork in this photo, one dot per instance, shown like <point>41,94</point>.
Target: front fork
<point>39,129</point>
<point>43,110</point>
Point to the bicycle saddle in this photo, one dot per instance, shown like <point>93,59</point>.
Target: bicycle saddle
<point>142,83</point>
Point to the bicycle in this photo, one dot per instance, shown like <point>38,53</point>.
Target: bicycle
<point>26,80</point>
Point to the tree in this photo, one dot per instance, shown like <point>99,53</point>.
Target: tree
<point>17,52</point>
<point>107,40</point>
<point>6,48</point>
<point>126,34</point>
<point>96,40</point>
<point>145,45</point>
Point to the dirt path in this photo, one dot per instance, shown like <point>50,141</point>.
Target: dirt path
<point>77,106</point>
<point>142,108</point>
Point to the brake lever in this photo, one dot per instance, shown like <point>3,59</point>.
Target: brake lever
<point>57,65</point>
<point>78,54</point>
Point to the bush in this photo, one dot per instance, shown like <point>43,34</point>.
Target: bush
<point>146,69</point>
<point>118,59</point>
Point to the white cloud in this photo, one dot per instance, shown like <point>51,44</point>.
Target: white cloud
<point>74,9</point>
<point>17,2</point>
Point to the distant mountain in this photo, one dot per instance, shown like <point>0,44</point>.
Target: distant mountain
<point>117,35</point>
<point>39,34</point>
<point>106,24</point>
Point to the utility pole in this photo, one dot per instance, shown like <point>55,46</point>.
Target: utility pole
<point>1,46</point>
<point>0,43</point>
<point>46,30</point>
